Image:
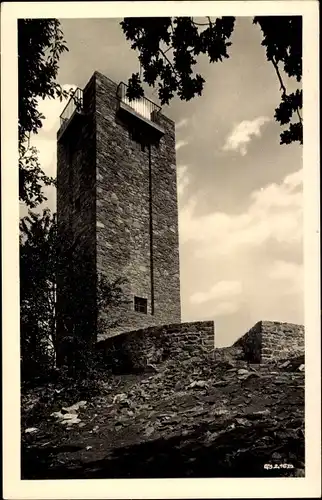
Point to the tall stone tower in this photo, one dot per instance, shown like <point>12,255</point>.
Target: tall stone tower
<point>117,213</point>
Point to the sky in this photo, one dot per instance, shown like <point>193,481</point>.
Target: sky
<point>239,190</point>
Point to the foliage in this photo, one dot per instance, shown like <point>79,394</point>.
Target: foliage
<point>282,37</point>
<point>169,47</point>
<point>110,297</point>
<point>40,44</point>
<point>31,177</point>
<point>40,256</point>
<point>76,348</point>
<point>38,234</point>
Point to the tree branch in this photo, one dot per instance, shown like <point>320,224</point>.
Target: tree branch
<point>299,114</point>
<point>171,25</point>
<point>170,63</point>
<point>282,86</point>
<point>163,53</point>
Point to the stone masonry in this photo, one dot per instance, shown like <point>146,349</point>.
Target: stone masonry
<point>268,341</point>
<point>124,214</point>
<point>76,218</point>
<point>136,350</point>
<point>117,215</point>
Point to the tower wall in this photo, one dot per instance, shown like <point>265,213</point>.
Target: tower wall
<point>76,220</point>
<point>117,218</point>
<point>123,250</point>
<point>134,199</point>
<point>165,226</point>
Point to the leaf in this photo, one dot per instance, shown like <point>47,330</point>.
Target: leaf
<point>40,43</point>
<point>168,49</point>
<point>289,105</point>
<point>293,134</point>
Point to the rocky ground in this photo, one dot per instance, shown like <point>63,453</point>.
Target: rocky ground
<point>209,415</point>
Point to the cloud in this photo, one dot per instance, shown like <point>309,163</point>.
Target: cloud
<point>51,109</point>
<point>182,123</point>
<point>280,195</point>
<point>225,308</point>
<point>275,212</point>
<point>242,265</point>
<point>181,144</point>
<point>290,273</point>
<point>243,133</point>
<point>47,153</point>
<point>45,141</point>
<point>182,178</point>
<point>222,289</point>
<point>294,180</point>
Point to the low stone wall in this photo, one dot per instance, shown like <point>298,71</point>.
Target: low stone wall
<point>251,343</point>
<point>134,351</point>
<point>268,341</point>
<point>281,340</point>
<point>123,319</point>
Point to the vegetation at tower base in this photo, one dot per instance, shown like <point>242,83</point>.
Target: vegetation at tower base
<point>169,48</point>
<point>38,255</point>
<point>200,415</point>
<point>39,258</point>
<point>40,44</point>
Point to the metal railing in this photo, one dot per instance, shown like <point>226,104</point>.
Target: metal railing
<point>143,106</point>
<point>75,103</point>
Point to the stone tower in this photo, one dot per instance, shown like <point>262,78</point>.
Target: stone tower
<point>117,213</point>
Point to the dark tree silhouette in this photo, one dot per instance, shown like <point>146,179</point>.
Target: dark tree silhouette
<point>38,254</point>
<point>40,257</point>
<point>169,48</point>
<point>40,44</point>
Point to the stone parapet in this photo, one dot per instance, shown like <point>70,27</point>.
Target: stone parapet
<point>268,341</point>
<point>134,350</point>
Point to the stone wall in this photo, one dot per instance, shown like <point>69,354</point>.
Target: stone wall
<point>135,350</point>
<point>117,217</point>
<point>165,225</point>
<point>268,341</point>
<point>251,344</point>
<point>281,340</point>
<point>137,217</point>
<point>76,208</point>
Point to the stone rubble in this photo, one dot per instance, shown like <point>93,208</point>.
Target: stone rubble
<point>68,415</point>
<point>211,400</point>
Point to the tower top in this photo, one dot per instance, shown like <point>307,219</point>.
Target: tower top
<point>132,110</point>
